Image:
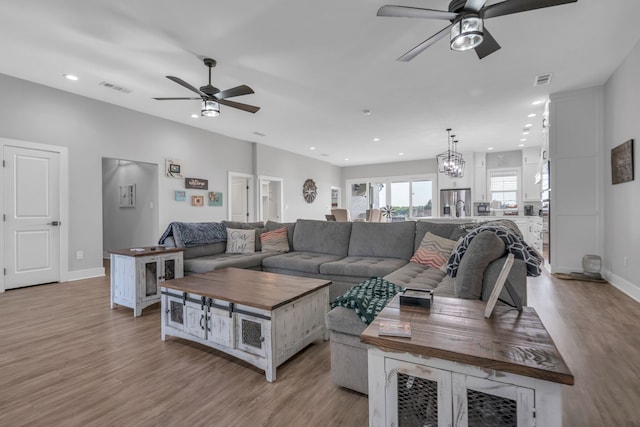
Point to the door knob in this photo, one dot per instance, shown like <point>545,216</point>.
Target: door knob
<point>55,223</point>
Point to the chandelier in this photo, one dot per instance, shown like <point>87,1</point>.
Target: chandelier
<point>451,162</point>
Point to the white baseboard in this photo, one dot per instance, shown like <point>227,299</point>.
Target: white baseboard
<point>624,285</point>
<point>85,274</point>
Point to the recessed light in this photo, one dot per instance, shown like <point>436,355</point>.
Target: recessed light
<point>520,145</point>
<point>376,139</point>
<point>523,139</point>
<point>526,133</point>
<point>532,115</point>
<point>400,154</point>
<point>70,77</point>
<point>194,116</point>
<point>528,125</point>
<point>346,159</point>
<point>490,148</point>
<point>538,102</point>
<point>312,148</point>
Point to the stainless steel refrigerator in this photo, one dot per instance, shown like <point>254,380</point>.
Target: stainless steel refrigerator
<point>455,203</point>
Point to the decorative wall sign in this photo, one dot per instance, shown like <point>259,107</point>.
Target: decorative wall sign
<point>197,183</point>
<point>215,198</point>
<point>309,190</point>
<point>181,196</point>
<point>173,168</point>
<point>128,196</point>
<point>622,163</point>
<point>197,200</point>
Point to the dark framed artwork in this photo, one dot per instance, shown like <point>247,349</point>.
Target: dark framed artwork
<point>196,183</point>
<point>622,163</point>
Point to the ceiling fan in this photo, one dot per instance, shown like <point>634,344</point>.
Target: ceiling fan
<point>212,96</point>
<point>467,30</point>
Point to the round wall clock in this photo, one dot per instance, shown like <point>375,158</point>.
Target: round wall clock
<point>309,191</point>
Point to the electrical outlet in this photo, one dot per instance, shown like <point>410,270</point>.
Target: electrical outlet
<point>79,254</point>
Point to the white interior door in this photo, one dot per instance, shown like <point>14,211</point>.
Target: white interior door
<point>32,216</point>
<point>239,199</point>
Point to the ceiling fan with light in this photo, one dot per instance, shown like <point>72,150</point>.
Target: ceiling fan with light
<point>467,30</point>
<point>212,96</point>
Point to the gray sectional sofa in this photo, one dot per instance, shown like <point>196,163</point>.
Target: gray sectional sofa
<point>348,253</point>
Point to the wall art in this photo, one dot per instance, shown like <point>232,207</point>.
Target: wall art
<point>128,196</point>
<point>197,200</point>
<point>622,163</point>
<point>173,168</point>
<point>196,183</point>
<point>181,196</point>
<point>215,198</point>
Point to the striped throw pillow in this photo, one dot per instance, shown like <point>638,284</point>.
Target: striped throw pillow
<point>434,250</point>
<point>275,241</point>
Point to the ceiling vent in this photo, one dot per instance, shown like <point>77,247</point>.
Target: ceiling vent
<point>115,87</point>
<point>542,79</point>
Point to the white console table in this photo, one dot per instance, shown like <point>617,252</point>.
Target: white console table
<point>137,274</point>
<point>461,369</point>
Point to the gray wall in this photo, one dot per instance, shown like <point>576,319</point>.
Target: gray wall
<point>92,130</point>
<point>294,169</point>
<point>413,167</point>
<point>125,227</point>
<point>622,201</point>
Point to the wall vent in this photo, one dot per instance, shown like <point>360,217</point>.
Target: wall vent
<point>542,79</point>
<point>115,87</point>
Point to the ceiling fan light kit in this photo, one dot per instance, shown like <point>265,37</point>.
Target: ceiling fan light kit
<point>210,109</point>
<point>466,33</point>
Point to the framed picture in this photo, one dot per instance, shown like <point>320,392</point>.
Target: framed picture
<point>622,163</point>
<point>128,196</point>
<point>173,168</point>
<point>196,183</point>
<point>197,200</point>
<point>181,196</point>
<point>215,198</point>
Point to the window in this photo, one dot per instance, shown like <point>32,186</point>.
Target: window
<point>503,188</point>
<point>408,197</point>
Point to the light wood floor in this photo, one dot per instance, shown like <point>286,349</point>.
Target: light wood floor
<point>67,359</point>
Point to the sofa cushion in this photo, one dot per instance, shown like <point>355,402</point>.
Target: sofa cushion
<point>304,262</point>
<point>483,249</point>
<point>382,239</point>
<point>414,275</point>
<point>290,226</point>
<point>434,251</point>
<point>214,262</point>
<point>446,230</point>
<point>275,241</point>
<point>241,241</point>
<point>345,320</point>
<point>324,237</point>
<point>205,250</point>
<point>362,266</point>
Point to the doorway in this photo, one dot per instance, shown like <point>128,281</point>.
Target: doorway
<point>129,204</point>
<point>270,199</point>
<point>35,205</point>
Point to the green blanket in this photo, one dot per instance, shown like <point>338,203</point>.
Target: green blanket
<point>368,298</point>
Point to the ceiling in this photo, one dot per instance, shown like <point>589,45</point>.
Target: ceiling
<point>315,66</point>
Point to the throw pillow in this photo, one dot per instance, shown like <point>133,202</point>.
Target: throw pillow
<point>484,248</point>
<point>433,251</point>
<point>241,241</point>
<point>275,241</point>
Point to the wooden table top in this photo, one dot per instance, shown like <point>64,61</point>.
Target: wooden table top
<point>146,250</point>
<point>455,329</point>
<point>259,289</point>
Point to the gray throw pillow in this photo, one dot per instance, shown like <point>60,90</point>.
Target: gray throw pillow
<point>484,248</point>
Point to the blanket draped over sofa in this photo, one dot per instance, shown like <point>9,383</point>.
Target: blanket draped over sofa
<point>368,298</point>
<point>190,234</point>
<point>514,243</point>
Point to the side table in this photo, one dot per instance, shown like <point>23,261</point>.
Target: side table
<point>136,274</point>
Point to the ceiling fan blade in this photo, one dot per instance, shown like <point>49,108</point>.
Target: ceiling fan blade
<point>474,5</point>
<point>173,99</point>
<point>187,85</point>
<point>508,7</point>
<point>234,91</point>
<point>425,44</point>
<point>415,12</point>
<point>488,45</point>
<point>239,106</point>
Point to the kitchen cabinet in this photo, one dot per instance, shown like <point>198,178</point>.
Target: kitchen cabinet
<point>479,193</point>
<point>530,161</point>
